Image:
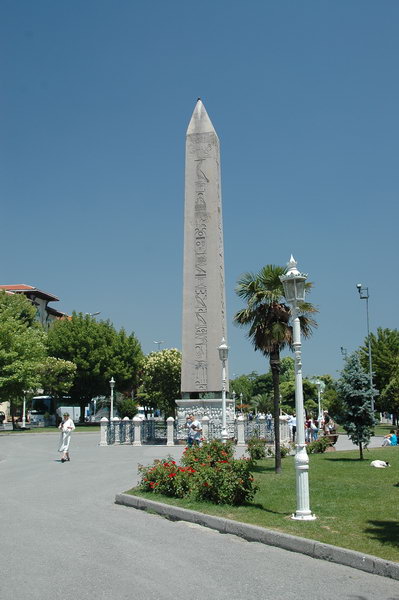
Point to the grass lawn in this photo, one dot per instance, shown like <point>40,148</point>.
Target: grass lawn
<point>79,429</point>
<point>380,429</point>
<point>357,506</point>
<point>383,429</point>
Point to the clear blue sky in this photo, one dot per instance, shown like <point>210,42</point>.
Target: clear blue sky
<point>96,98</point>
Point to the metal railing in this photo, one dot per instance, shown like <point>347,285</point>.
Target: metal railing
<point>155,432</point>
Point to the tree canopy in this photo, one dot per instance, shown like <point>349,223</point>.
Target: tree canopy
<point>99,353</point>
<point>385,361</point>
<point>57,376</point>
<point>161,380</point>
<point>22,349</point>
<point>267,317</point>
<point>354,392</point>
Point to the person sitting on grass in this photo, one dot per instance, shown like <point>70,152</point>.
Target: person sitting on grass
<point>390,439</point>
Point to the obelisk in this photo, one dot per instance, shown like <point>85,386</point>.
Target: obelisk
<point>204,303</point>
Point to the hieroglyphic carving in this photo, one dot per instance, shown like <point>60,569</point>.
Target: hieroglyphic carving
<point>221,265</point>
<point>200,276</point>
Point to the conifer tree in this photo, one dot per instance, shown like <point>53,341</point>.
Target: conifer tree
<point>354,392</point>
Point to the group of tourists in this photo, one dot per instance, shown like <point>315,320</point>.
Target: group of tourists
<point>313,427</point>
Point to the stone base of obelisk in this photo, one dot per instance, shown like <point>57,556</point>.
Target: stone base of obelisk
<point>209,407</point>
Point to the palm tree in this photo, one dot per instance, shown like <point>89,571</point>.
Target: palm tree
<point>268,318</point>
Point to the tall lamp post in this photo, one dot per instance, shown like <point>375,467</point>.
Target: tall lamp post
<point>294,291</point>
<point>364,295</point>
<point>223,355</point>
<point>320,386</point>
<point>111,412</point>
<point>24,412</point>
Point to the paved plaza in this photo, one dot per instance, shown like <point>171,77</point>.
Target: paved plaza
<point>62,537</point>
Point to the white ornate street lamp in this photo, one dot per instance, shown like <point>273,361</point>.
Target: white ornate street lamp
<point>364,295</point>
<point>320,387</point>
<point>223,355</point>
<point>24,412</point>
<point>111,412</point>
<point>294,292</point>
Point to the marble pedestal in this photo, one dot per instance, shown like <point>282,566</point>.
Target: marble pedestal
<point>209,407</point>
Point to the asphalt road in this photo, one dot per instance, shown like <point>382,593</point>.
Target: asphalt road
<point>62,537</point>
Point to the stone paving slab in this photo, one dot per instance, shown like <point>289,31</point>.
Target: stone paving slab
<point>313,548</point>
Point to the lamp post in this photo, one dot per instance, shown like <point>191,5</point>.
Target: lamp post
<point>111,412</point>
<point>233,395</point>
<point>223,354</point>
<point>158,343</point>
<point>319,385</point>
<point>24,412</point>
<point>364,295</point>
<point>294,291</point>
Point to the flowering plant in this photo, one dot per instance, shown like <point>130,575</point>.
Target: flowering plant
<point>209,453</point>
<point>256,448</point>
<point>209,473</point>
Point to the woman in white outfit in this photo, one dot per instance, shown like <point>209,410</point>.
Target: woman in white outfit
<point>66,426</point>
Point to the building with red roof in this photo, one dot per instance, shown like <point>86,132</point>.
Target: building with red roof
<point>45,314</point>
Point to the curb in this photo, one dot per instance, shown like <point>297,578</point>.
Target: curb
<point>252,533</point>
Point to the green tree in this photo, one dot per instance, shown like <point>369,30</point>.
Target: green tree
<point>287,389</point>
<point>263,385</point>
<point>268,318</point>
<point>243,385</point>
<point>99,353</point>
<point>287,369</point>
<point>22,349</point>
<point>390,397</point>
<point>56,376</point>
<point>353,388</point>
<point>384,356</point>
<point>161,380</point>
<point>127,407</point>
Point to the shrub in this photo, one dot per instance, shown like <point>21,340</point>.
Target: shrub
<point>209,473</point>
<point>285,450</point>
<point>256,448</point>
<point>210,453</point>
<point>318,446</point>
<point>225,483</point>
<point>163,477</point>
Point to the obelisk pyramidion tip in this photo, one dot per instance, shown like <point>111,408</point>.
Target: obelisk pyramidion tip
<point>200,121</point>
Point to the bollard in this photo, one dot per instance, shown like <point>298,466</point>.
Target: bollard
<point>103,431</point>
<point>170,422</point>
<point>240,431</point>
<point>137,431</point>
<point>262,427</point>
<point>125,430</point>
<point>205,427</point>
<point>116,422</point>
<point>284,431</point>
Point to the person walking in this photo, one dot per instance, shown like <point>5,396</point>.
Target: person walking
<point>66,426</point>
